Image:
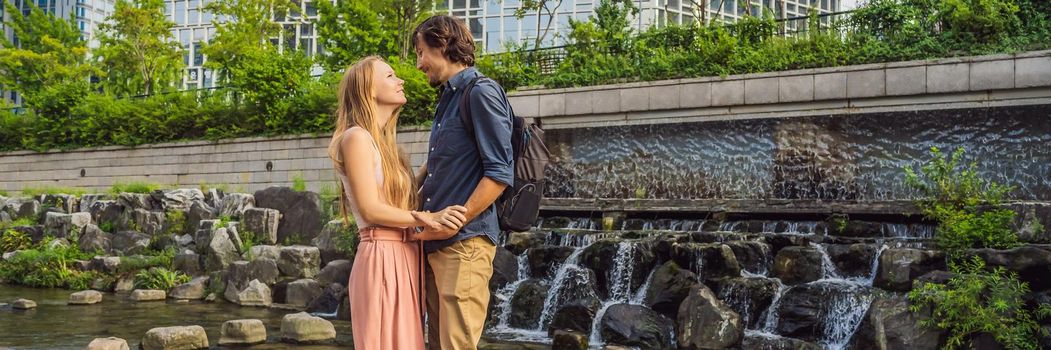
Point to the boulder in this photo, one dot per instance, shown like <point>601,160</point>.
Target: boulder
<point>577,316</point>
<point>148,295</point>
<point>179,199</point>
<point>105,264</point>
<point>304,328</point>
<point>300,261</point>
<point>198,212</point>
<point>220,252</point>
<point>23,304</point>
<point>545,260</point>
<point>634,260</point>
<point>132,201</point>
<point>329,302</point>
<point>62,203</point>
<point>301,212</point>
<point>193,290</point>
<point>749,297</point>
<point>711,261</point>
<point>330,242</point>
<point>804,310</point>
<point>179,337</point>
<point>505,269</point>
<point>235,204</point>
<point>111,343</point>
<point>94,239</point>
<point>142,220</point>
<point>263,223</point>
<point>129,242</point>
<point>569,340</point>
<point>1033,222</point>
<point>242,332</point>
<point>240,273</point>
<point>84,205</point>
<point>668,288</point>
<point>301,292</point>
<point>20,208</point>
<point>519,242</point>
<point>898,267</point>
<point>527,303</point>
<point>124,284</point>
<point>796,265</point>
<point>704,322</point>
<point>264,252</point>
<point>106,213</point>
<point>635,325</point>
<point>753,256</point>
<point>85,297</point>
<point>889,324</point>
<point>852,260</point>
<point>60,225</point>
<point>1032,264</point>
<point>338,271</point>
<point>255,294</point>
<point>191,263</point>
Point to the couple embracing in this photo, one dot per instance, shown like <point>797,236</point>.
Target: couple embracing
<point>427,240</point>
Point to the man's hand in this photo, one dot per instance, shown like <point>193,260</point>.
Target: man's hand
<point>441,225</point>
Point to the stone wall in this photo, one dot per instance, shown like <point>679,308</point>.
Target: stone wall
<point>242,164</point>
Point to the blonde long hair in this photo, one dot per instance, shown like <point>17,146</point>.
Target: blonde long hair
<point>357,107</point>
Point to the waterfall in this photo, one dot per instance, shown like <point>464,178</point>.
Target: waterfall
<point>770,319</point>
<point>556,286</point>
<point>505,293</point>
<point>623,267</point>
<point>847,306</point>
<point>828,269</point>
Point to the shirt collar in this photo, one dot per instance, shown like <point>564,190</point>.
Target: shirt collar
<point>458,81</point>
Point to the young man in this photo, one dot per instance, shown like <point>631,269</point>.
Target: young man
<point>462,167</point>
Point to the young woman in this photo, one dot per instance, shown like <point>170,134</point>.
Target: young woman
<point>377,185</point>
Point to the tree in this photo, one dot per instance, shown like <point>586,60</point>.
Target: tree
<point>247,29</point>
<point>49,51</point>
<point>138,49</point>
<point>405,14</point>
<point>350,30</point>
<point>547,8</point>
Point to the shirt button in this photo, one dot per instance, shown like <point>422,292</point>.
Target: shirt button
<point>429,175</point>
<point>432,149</point>
<point>428,199</point>
<point>439,125</point>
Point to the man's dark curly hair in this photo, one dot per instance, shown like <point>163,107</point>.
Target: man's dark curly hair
<point>449,35</point>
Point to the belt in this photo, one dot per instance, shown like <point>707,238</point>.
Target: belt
<point>383,233</point>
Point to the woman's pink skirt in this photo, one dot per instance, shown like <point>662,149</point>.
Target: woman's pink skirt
<point>386,305</point>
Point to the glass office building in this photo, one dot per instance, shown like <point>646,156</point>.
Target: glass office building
<point>493,22</point>
<point>193,28</point>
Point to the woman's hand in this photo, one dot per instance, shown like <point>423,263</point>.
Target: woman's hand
<point>442,224</point>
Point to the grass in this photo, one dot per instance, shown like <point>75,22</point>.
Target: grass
<point>133,187</point>
<point>298,184</point>
<point>33,191</point>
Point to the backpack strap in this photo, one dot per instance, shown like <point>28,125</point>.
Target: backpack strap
<point>465,108</point>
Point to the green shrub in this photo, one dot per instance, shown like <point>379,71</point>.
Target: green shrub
<point>159,278</point>
<point>129,264</point>
<point>33,191</point>
<point>142,187</point>
<point>45,267</point>
<point>347,241</point>
<point>11,240</point>
<point>298,184</point>
<point>964,204</point>
<point>979,301</point>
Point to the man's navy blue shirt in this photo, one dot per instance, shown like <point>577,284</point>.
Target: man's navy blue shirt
<point>457,160</point>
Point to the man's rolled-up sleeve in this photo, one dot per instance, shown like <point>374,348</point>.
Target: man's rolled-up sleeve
<point>492,132</point>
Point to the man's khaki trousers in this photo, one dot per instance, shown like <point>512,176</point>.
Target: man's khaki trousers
<point>458,293</point>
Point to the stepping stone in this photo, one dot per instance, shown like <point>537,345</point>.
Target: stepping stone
<point>179,337</point>
<point>85,297</point>
<point>148,295</point>
<point>111,343</point>
<point>24,304</point>
<point>304,328</point>
<point>242,332</point>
